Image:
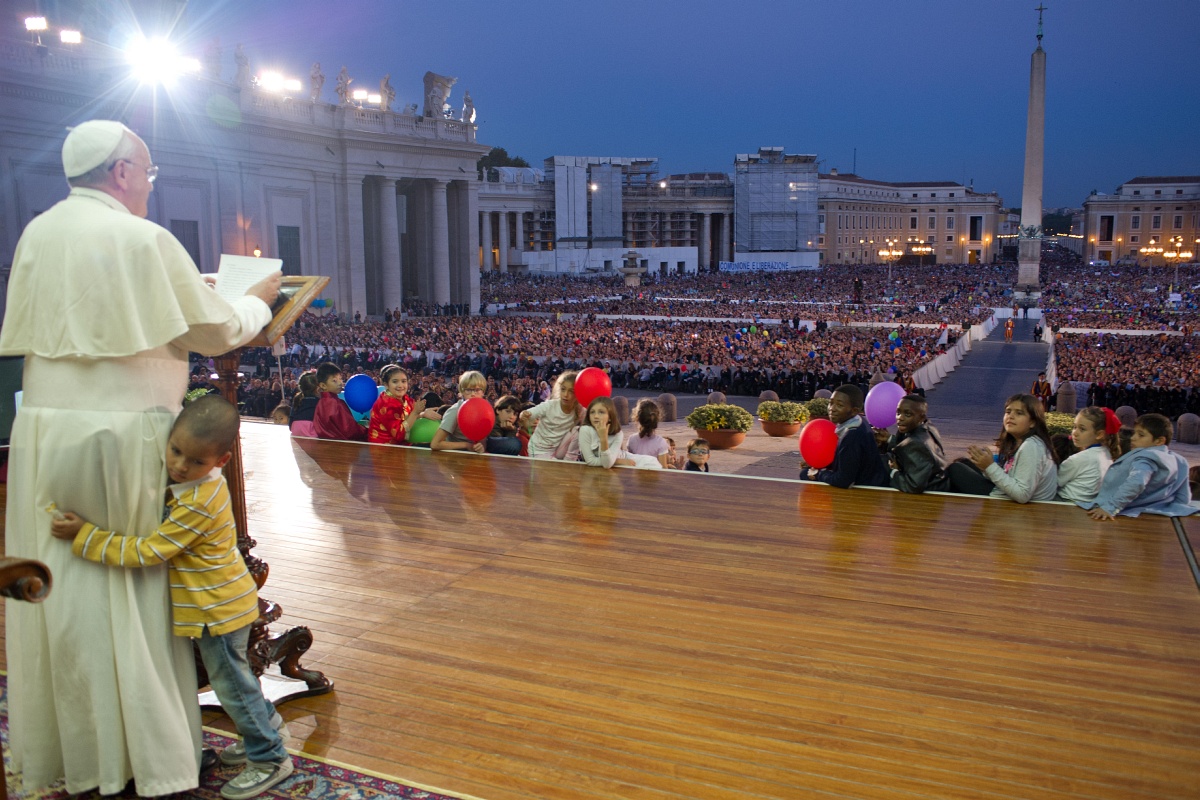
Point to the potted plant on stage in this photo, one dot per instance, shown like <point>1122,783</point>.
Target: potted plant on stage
<point>781,418</point>
<point>722,424</point>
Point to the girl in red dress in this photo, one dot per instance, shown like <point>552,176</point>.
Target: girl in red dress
<point>394,412</point>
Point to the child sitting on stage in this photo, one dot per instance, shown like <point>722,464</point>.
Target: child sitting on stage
<point>471,384</point>
<point>394,412</point>
<point>1095,439</point>
<point>646,442</point>
<point>212,593</point>
<point>600,439</point>
<point>1148,479</point>
<point>332,419</point>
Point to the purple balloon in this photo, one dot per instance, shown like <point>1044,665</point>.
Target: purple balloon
<point>881,404</point>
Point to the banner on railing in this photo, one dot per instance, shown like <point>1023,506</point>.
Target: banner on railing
<point>759,266</point>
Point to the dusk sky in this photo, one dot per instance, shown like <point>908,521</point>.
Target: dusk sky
<point>924,89</point>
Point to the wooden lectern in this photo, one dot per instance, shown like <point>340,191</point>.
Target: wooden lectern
<point>296,293</point>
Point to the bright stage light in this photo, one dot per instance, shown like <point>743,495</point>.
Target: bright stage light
<point>291,84</point>
<point>157,61</point>
<point>70,37</point>
<point>270,81</point>
<point>359,94</point>
<point>375,98</point>
<point>35,24</point>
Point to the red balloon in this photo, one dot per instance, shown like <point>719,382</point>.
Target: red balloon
<point>476,418</point>
<point>590,384</point>
<point>818,443</point>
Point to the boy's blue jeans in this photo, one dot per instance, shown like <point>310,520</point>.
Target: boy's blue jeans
<point>241,695</point>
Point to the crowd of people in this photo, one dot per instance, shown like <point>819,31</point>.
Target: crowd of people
<point>1159,373</point>
<point>520,355</point>
<point>1121,297</point>
<point>950,293</point>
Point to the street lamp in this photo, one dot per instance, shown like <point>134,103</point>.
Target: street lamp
<point>890,255</point>
<point>1176,253</point>
<point>921,249</point>
<point>1150,251</point>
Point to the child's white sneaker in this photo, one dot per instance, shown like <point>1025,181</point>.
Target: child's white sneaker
<point>236,753</point>
<point>255,779</point>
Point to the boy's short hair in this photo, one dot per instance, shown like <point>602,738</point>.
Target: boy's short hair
<point>212,419</point>
<point>471,379</point>
<point>853,394</point>
<point>698,443</point>
<point>1158,426</point>
<point>326,371</point>
<point>916,400</point>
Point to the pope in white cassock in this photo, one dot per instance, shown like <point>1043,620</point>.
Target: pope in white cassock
<point>105,306</point>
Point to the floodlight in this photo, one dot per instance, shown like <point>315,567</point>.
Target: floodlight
<point>375,98</point>
<point>155,60</point>
<point>34,24</point>
<point>70,37</point>
<point>270,81</point>
<point>359,94</point>
<point>291,84</point>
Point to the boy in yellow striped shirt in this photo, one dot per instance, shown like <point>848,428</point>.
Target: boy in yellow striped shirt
<point>213,596</point>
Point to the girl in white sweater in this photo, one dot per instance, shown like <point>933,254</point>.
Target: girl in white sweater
<point>556,418</point>
<point>600,439</point>
<point>1094,436</point>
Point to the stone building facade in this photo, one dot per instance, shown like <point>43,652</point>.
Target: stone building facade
<point>1145,211</point>
<point>384,203</point>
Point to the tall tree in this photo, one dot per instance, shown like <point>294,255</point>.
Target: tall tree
<point>499,157</point>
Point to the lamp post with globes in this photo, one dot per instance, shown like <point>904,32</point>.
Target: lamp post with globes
<point>1150,251</point>
<point>1175,252</point>
<point>889,255</point>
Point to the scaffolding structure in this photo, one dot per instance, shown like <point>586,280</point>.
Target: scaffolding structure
<point>775,202</point>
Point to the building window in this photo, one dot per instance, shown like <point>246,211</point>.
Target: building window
<point>188,233</point>
<point>1158,191</point>
<point>950,238</point>
<point>1106,228</point>
<point>1134,239</point>
<point>1135,222</point>
<point>914,194</point>
<point>912,223</point>
<point>1137,192</point>
<point>1179,191</point>
<point>952,194</point>
<point>932,223</point>
<point>976,229</point>
<point>949,223</point>
<point>289,248</point>
<point>1156,222</point>
<point>1177,223</point>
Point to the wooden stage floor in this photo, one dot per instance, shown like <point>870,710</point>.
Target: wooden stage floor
<point>507,629</point>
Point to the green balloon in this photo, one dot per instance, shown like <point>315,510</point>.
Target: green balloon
<point>422,431</point>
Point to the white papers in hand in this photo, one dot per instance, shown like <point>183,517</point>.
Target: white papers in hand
<point>236,274</point>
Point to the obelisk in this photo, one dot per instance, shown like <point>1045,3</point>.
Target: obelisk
<point>1030,240</point>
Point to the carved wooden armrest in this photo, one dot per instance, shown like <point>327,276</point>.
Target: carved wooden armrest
<point>24,579</point>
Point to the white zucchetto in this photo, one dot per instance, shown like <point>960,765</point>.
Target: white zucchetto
<point>90,144</point>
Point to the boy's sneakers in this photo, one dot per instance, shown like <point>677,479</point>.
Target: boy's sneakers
<point>255,779</point>
<point>236,752</point>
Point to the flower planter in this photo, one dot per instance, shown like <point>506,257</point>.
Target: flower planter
<point>780,428</point>
<point>722,438</point>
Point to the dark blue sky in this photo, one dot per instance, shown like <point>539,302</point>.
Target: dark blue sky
<point>924,89</point>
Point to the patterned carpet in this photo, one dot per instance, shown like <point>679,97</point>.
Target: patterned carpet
<point>315,779</point>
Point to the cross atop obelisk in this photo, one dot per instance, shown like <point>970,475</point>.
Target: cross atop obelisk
<point>1030,239</point>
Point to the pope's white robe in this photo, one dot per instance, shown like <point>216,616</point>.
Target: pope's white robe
<point>105,307</point>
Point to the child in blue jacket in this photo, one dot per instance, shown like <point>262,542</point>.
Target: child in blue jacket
<point>1148,479</point>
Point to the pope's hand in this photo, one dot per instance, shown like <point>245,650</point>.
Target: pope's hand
<point>267,289</point>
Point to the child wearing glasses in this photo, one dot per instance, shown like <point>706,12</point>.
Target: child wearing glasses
<point>697,456</point>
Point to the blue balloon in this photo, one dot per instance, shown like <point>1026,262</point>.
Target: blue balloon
<point>360,393</point>
<point>737,336</point>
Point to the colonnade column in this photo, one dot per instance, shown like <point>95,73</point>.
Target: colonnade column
<point>441,244</point>
<point>726,225</point>
<point>356,257</point>
<point>389,251</point>
<point>519,221</point>
<point>705,243</point>
<point>486,218</point>
<point>503,242</point>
